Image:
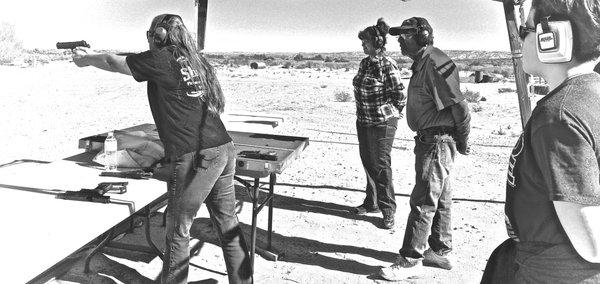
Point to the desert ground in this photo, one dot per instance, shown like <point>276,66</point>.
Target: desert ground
<point>46,108</point>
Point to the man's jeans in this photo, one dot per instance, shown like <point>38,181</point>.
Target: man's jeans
<point>375,147</point>
<point>204,176</point>
<point>431,197</point>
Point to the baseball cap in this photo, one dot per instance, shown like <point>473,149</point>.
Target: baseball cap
<point>411,25</point>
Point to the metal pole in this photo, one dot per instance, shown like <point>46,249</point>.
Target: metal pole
<point>202,11</point>
<point>515,49</point>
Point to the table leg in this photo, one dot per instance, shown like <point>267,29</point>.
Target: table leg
<point>255,189</point>
<point>272,181</point>
<point>100,246</point>
<point>149,237</point>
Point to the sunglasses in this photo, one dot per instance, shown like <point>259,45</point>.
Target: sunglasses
<point>149,34</point>
<point>524,30</point>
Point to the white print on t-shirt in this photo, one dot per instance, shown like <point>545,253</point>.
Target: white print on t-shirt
<point>190,77</point>
<point>517,150</point>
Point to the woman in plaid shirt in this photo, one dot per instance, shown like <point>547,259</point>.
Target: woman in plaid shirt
<point>379,100</point>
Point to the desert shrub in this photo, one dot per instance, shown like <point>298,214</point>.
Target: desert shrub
<point>475,63</point>
<point>507,72</point>
<point>317,57</point>
<point>471,96</point>
<point>500,131</point>
<point>287,65</point>
<point>476,107</point>
<point>302,65</point>
<point>342,96</point>
<point>9,44</point>
<point>274,62</point>
<point>506,90</point>
<point>299,57</point>
<point>341,59</point>
<point>309,64</point>
<point>214,56</point>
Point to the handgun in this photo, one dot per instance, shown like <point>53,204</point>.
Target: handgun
<point>135,174</point>
<point>71,44</point>
<point>269,156</point>
<point>96,194</point>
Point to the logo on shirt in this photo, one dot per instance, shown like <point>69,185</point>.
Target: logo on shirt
<point>517,150</point>
<point>191,78</point>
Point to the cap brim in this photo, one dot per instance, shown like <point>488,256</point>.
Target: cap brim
<point>401,30</point>
<point>394,31</point>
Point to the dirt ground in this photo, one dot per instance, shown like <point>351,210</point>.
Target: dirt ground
<point>45,109</point>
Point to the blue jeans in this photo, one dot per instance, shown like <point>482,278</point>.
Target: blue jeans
<point>431,197</point>
<point>197,177</point>
<point>375,147</point>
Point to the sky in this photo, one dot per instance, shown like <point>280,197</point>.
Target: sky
<point>256,25</point>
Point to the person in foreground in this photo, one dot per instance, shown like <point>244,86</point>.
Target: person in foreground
<point>437,111</point>
<point>553,187</point>
<point>379,103</point>
<point>186,100</point>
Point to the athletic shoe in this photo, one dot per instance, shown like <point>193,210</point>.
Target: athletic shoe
<point>436,259</point>
<point>402,269</point>
<point>388,221</point>
<point>362,210</point>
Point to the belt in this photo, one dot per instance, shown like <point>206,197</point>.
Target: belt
<point>437,130</point>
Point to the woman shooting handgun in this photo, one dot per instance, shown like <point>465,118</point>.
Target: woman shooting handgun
<point>186,100</point>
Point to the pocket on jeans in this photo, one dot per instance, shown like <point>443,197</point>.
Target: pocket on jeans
<point>205,158</point>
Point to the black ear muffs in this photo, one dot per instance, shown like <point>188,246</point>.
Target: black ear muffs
<point>378,40</point>
<point>160,34</point>
<point>422,36</point>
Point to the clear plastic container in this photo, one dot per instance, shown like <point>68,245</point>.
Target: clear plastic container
<point>110,153</point>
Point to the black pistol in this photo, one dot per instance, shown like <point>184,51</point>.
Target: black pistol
<point>96,194</point>
<point>71,44</point>
<point>135,174</point>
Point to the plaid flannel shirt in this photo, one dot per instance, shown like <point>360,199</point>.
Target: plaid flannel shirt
<point>376,84</point>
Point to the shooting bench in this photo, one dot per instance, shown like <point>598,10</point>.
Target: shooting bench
<point>50,234</point>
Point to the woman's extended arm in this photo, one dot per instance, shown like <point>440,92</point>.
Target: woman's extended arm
<point>110,62</point>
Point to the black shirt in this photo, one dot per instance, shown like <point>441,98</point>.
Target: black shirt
<point>183,122</point>
<point>557,158</point>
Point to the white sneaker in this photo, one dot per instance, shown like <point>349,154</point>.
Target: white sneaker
<point>402,269</point>
<point>435,259</point>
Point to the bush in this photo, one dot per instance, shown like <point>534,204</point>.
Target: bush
<point>500,131</point>
<point>342,96</point>
<point>506,90</point>
<point>9,44</point>
<point>287,65</point>
<point>471,96</point>
<point>476,107</point>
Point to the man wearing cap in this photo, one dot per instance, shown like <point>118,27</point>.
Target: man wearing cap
<point>437,111</point>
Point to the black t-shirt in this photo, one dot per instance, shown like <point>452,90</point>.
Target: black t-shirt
<point>183,122</point>
<point>556,159</point>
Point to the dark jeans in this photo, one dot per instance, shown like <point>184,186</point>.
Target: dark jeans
<point>197,177</point>
<point>536,262</point>
<point>375,147</point>
<point>431,197</point>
